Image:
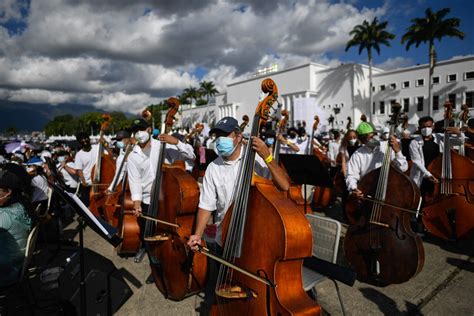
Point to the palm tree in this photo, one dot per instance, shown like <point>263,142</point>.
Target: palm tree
<point>208,89</point>
<point>426,30</point>
<point>192,93</point>
<point>370,36</point>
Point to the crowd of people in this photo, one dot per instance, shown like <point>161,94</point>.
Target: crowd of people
<point>25,194</point>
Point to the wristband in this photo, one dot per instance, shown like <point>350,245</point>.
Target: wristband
<point>269,159</point>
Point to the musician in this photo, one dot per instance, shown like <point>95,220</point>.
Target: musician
<point>469,132</point>
<point>14,228</point>
<point>220,181</point>
<point>83,163</point>
<point>333,150</point>
<point>142,163</point>
<point>426,147</point>
<point>349,145</point>
<point>302,141</point>
<point>180,151</point>
<point>405,141</point>
<point>369,157</point>
<point>289,144</point>
<point>122,140</point>
<point>65,166</point>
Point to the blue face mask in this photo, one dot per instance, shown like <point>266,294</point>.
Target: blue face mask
<point>120,144</point>
<point>270,141</point>
<point>225,146</point>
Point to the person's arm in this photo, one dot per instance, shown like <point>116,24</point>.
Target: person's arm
<point>456,136</point>
<point>202,219</point>
<point>399,160</point>
<point>279,176</point>
<point>417,159</point>
<point>134,182</point>
<point>71,171</point>
<point>353,172</point>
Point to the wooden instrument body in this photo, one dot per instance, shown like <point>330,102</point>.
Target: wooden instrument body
<point>277,238</point>
<point>180,272</point>
<point>97,195</point>
<point>451,216</point>
<point>128,227</point>
<point>395,249</point>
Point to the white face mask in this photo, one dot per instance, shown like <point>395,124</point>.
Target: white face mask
<point>426,131</point>
<point>142,137</point>
<point>61,159</point>
<point>353,141</point>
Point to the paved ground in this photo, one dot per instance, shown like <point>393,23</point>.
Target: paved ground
<point>445,286</point>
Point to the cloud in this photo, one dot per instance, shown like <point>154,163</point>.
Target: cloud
<point>395,63</point>
<point>118,53</point>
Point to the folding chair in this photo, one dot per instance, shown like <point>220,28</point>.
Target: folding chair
<point>326,234</point>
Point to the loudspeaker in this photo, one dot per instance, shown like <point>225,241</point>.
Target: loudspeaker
<point>105,290</point>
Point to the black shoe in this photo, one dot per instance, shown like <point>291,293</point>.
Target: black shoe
<point>139,256</point>
<point>150,279</point>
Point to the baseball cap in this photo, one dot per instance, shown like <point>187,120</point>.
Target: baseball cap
<point>226,124</point>
<point>121,135</point>
<point>364,128</point>
<point>139,124</point>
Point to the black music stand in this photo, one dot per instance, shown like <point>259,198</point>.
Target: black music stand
<point>102,228</point>
<point>306,169</point>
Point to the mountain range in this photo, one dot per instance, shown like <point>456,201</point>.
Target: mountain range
<point>28,117</point>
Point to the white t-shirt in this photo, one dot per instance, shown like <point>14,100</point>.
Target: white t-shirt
<point>219,183</point>
<point>85,161</point>
<point>71,181</point>
<point>40,189</point>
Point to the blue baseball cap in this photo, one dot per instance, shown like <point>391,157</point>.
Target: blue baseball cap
<point>226,124</point>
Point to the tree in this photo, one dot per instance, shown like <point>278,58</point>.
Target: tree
<point>425,30</point>
<point>62,125</point>
<point>12,131</point>
<point>207,89</point>
<point>369,36</point>
<point>191,93</point>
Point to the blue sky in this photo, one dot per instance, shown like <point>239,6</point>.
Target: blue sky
<point>121,54</point>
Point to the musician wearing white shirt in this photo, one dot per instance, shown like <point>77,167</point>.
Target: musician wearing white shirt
<point>369,157</point>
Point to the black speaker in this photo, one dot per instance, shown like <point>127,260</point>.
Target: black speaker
<point>106,291</point>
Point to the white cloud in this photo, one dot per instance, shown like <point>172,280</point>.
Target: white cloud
<point>117,54</point>
<point>395,63</point>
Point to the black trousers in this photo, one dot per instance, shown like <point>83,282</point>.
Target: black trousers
<point>84,195</point>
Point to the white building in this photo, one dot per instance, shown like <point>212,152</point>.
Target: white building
<point>312,89</point>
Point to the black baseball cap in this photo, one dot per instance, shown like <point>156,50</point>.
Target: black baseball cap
<point>139,124</point>
<point>226,124</point>
<point>121,135</point>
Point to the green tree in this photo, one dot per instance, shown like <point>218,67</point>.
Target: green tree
<point>62,125</point>
<point>191,93</point>
<point>90,122</point>
<point>425,30</point>
<point>207,89</point>
<point>369,36</point>
<point>12,130</point>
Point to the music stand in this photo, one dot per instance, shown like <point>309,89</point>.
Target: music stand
<point>102,228</point>
<point>306,169</point>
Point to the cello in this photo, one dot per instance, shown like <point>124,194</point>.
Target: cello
<point>449,209</point>
<point>267,237</point>
<point>103,172</point>
<point>381,245</point>
<point>177,271</point>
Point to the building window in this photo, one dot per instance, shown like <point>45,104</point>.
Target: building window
<point>469,75</point>
<point>469,97</point>
<point>393,86</point>
<point>324,106</point>
<point>452,99</point>
<point>435,102</point>
<point>342,105</point>
<point>373,89</point>
<point>382,87</point>
<point>329,106</point>
<point>382,107</point>
<point>452,77</point>
<point>435,80</point>
<point>373,108</point>
<point>406,105</point>
<point>420,82</point>
<point>406,84</point>
<point>419,104</point>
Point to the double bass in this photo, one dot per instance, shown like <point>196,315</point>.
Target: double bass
<point>381,246</point>
<point>267,237</point>
<point>103,172</point>
<point>449,208</point>
<point>322,196</point>
<point>177,271</point>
